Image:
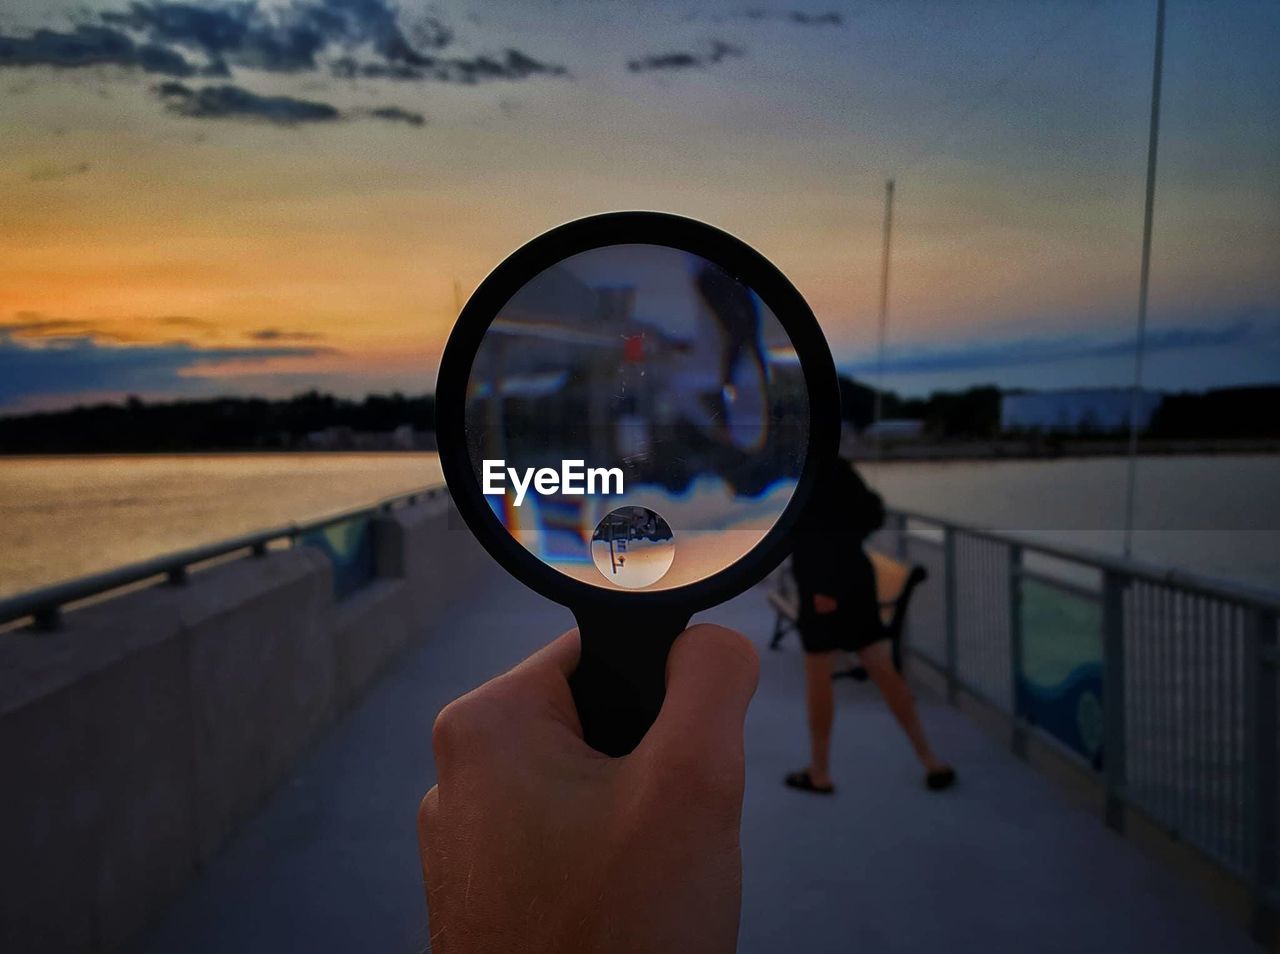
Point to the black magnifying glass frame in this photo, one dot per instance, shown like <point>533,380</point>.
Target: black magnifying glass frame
<point>626,634</point>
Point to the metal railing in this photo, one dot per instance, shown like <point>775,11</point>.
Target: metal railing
<point>1161,682</point>
<point>44,606</point>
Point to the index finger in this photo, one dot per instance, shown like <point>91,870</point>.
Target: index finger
<point>561,654</point>
<point>535,692</point>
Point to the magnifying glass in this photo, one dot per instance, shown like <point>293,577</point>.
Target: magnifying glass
<point>631,413</point>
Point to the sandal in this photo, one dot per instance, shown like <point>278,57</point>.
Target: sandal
<point>804,783</point>
<point>940,779</point>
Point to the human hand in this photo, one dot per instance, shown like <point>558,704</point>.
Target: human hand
<point>533,841</point>
<point>823,604</point>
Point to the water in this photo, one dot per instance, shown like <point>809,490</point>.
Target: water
<point>1214,514</point>
<point>64,517</point>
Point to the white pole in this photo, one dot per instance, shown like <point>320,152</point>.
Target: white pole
<point>884,314</point>
<point>1135,394</point>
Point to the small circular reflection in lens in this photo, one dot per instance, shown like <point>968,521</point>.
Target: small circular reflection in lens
<point>633,547</point>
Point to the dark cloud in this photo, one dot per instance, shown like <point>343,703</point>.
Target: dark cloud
<point>33,325</point>
<point>801,17</point>
<point>510,65</point>
<point>187,321</point>
<point>279,334</point>
<point>91,46</point>
<point>520,66</point>
<point>234,102</point>
<point>47,172</point>
<point>301,37</point>
<point>284,39</point>
<point>216,30</point>
<point>683,60</point>
<point>347,38</point>
<point>1016,352</point>
<point>828,18</point>
<point>77,365</point>
<point>398,115</point>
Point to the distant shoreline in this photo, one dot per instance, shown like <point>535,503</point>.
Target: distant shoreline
<point>224,452</point>
<point>1047,448</point>
<point>859,450</point>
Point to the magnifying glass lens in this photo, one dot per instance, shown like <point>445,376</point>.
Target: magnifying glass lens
<point>636,417</point>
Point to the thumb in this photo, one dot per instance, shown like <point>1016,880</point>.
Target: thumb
<point>711,676</point>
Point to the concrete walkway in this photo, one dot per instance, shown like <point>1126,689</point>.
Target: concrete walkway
<point>1001,863</point>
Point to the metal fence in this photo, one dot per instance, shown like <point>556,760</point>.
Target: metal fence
<point>1163,683</point>
<point>346,538</point>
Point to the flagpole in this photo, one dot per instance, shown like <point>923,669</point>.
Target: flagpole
<point>884,315</point>
<point>1140,343</point>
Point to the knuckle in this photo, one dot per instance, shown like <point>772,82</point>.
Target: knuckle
<point>729,644</point>
<point>475,721</point>
<point>455,728</point>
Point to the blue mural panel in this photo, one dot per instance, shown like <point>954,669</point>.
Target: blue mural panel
<point>1059,689</point>
<point>349,547</point>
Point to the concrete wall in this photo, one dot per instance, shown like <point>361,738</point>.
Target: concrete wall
<point>136,738</point>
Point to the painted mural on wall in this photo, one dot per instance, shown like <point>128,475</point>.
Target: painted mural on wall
<point>1060,687</point>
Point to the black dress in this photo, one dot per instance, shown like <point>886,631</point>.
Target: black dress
<point>828,558</point>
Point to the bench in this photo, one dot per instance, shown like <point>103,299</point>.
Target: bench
<point>895,582</point>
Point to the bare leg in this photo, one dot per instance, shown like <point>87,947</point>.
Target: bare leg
<point>877,659</point>
<point>822,708</point>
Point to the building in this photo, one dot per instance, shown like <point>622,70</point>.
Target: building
<point>1078,411</point>
<point>894,428</point>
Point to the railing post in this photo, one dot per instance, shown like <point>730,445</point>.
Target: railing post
<point>1263,793</point>
<point>949,568</point>
<point>1113,704</point>
<point>47,618</point>
<point>1018,738</point>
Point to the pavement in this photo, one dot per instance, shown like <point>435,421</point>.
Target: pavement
<point>1003,862</point>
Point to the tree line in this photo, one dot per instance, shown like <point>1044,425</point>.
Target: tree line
<point>974,413</point>
<point>137,426</point>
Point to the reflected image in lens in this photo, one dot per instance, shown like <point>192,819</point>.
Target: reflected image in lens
<point>633,547</point>
<point>653,364</point>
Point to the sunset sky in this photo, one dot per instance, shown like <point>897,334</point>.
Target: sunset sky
<point>262,197</point>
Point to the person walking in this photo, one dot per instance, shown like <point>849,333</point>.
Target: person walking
<point>840,611</point>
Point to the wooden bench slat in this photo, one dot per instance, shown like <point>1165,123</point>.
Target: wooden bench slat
<point>891,576</point>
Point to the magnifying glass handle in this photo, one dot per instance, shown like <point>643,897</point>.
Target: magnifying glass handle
<point>621,679</point>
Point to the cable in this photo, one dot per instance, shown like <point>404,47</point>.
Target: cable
<point>999,86</point>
